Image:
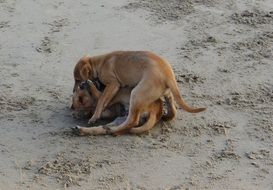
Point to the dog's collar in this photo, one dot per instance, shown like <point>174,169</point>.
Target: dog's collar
<point>98,84</point>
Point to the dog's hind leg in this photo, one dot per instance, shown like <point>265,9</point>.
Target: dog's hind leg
<point>155,111</point>
<point>84,131</point>
<point>131,121</point>
<point>99,130</point>
<point>138,103</point>
<point>171,109</point>
<point>150,123</point>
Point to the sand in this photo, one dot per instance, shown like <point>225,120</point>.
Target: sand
<point>221,52</point>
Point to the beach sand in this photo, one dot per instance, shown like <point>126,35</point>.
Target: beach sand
<point>221,52</point>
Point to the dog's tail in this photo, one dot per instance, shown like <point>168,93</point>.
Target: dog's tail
<point>171,83</point>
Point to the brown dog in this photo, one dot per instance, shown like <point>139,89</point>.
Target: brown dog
<point>150,76</point>
<point>86,96</point>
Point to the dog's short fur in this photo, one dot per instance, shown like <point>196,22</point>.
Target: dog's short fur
<point>85,98</point>
<point>150,76</point>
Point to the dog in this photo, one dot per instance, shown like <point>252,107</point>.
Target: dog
<point>150,76</point>
<point>85,99</point>
<point>86,96</point>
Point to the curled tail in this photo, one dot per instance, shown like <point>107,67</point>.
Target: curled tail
<point>171,83</point>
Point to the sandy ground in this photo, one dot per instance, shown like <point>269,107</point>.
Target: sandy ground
<point>221,52</point>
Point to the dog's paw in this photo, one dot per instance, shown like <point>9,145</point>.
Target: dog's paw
<point>92,120</point>
<point>77,130</point>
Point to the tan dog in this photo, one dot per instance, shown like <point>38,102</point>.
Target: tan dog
<point>85,98</point>
<point>150,76</point>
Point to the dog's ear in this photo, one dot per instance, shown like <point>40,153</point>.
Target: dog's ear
<point>76,84</point>
<point>94,90</point>
<point>85,72</point>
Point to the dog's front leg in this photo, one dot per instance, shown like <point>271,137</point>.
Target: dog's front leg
<point>107,95</point>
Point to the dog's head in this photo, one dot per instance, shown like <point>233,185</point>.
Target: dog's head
<point>82,71</point>
<point>85,96</point>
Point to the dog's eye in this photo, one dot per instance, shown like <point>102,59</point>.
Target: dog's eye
<point>83,85</point>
